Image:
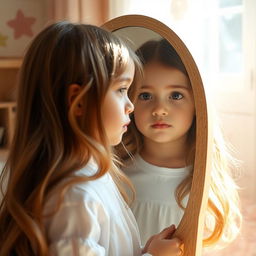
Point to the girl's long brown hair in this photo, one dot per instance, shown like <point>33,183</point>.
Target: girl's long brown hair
<point>50,142</point>
<point>223,213</point>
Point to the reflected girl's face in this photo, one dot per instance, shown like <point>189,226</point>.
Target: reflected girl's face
<point>164,110</point>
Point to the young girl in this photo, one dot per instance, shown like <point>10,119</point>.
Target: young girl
<point>64,193</point>
<point>161,139</point>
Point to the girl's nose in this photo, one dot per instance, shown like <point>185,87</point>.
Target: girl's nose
<point>129,107</point>
<point>160,110</point>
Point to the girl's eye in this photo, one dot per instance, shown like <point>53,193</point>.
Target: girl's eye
<point>145,96</point>
<point>122,90</point>
<point>176,96</point>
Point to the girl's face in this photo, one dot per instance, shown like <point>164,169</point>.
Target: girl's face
<point>117,106</point>
<point>164,110</point>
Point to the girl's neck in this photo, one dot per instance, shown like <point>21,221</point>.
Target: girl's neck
<point>169,155</point>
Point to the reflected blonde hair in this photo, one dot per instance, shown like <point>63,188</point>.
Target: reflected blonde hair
<point>51,143</point>
<point>223,217</point>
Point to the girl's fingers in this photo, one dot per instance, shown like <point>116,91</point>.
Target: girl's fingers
<point>175,252</point>
<point>163,239</point>
<point>176,241</point>
<point>166,232</point>
<point>147,244</point>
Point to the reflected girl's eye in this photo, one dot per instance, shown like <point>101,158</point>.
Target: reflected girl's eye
<point>176,96</point>
<point>145,96</point>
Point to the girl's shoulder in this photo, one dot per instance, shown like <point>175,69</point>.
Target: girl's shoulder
<point>131,164</point>
<point>83,191</point>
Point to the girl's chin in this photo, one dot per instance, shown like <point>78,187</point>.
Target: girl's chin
<point>116,142</point>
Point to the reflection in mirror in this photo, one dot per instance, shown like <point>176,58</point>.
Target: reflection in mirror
<point>136,36</point>
<point>161,137</point>
<point>161,141</point>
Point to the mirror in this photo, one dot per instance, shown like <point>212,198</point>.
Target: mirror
<point>158,182</point>
<point>136,30</point>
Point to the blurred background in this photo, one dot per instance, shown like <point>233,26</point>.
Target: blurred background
<point>220,35</point>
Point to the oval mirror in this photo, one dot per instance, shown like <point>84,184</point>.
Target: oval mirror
<point>136,30</point>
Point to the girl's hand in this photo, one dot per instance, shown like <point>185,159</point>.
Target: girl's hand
<point>162,245</point>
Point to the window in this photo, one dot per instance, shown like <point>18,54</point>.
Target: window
<point>218,33</point>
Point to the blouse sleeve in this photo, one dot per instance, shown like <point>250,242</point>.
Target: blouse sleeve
<point>75,229</point>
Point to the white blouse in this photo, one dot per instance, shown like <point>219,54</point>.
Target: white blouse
<point>155,207</point>
<point>92,220</point>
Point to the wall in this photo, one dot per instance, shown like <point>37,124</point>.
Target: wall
<point>20,21</point>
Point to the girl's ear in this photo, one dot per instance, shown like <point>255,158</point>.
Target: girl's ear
<point>73,91</point>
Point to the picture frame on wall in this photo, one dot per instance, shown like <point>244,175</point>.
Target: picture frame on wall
<point>20,21</point>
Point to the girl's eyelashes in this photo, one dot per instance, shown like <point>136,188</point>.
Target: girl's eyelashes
<point>148,96</point>
<point>122,90</point>
<point>176,96</point>
<point>145,96</point>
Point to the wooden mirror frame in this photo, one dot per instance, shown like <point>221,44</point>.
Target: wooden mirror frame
<point>191,226</point>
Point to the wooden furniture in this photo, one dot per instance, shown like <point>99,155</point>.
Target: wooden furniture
<point>190,229</point>
<point>8,74</point>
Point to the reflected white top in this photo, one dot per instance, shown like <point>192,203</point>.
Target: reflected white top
<point>93,220</point>
<point>155,207</point>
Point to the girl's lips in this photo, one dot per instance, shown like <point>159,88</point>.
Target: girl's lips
<point>160,126</point>
<point>127,124</point>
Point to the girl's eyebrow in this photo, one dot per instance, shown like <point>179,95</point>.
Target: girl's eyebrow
<point>124,79</point>
<point>168,86</point>
<point>118,80</point>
